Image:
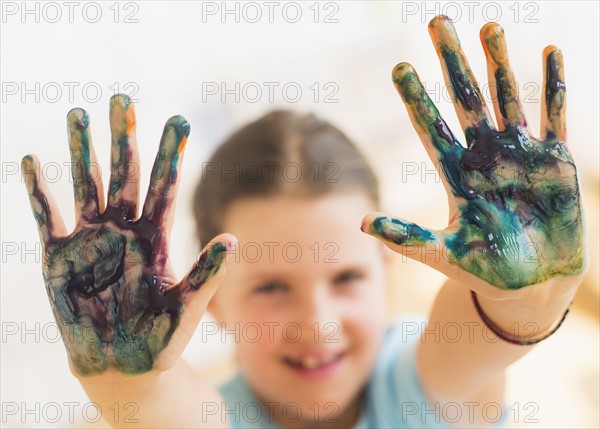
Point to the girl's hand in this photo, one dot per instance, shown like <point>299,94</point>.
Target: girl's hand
<point>110,282</point>
<point>515,207</point>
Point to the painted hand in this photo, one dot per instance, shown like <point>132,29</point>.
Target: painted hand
<point>515,207</point>
<point>110,282</point>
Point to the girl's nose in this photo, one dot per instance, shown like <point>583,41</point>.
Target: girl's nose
<point>319,317</point>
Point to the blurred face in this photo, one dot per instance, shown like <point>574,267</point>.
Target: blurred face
<point>307,293</point>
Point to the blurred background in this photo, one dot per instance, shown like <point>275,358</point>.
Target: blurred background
<point>221,64</point>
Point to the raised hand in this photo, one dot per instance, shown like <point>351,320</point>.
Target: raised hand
<point>110,282</point>
<point>515,207</point>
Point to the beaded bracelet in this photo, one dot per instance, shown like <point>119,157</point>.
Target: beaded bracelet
<point>494,328</point>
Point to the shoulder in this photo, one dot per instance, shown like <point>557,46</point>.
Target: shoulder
<point>394,397</point>
<point>241,408</point>
<point>234,388</point>
<point>401,338</point>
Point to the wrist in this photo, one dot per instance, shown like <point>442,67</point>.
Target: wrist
<point>528,315</point>
<point>125,383</point>
<point>527,334</point>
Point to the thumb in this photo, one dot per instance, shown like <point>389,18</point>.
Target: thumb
<point>206,274</point>
<point>404,237</point>
<point>195,291</point>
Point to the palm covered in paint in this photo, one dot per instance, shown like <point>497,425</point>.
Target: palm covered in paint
<point>515,213</point>
<point>110,283</point>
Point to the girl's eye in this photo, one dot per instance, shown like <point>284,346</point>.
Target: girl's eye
<point>271,288</point>
<point>347,277</point>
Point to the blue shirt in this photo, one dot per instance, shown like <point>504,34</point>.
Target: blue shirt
<point>393,395</point>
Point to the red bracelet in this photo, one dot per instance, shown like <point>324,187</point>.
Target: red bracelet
<point>494,328</point>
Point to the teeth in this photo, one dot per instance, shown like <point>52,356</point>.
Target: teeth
<point>311,362</point>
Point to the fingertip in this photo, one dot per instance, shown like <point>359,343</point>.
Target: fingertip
<point>439,21</point>
<point>401,70</point>
<point>78,117</point>
<point>122,100</point>
<point>386,228</point>
<point>407,82</point>
<point>364,225</point>
<point>553,65</point>
<point>380,224</point>
<point>27,161</point>
<point>442,31</point>
<point>229,240</point>
<point>212,261</point>
<point>369,220</point>
<point>396,231</point>
<point>122,115</point>
<point>180,125</point>
<point>222,246</point>
<point>494,43</point>
<point>222,243</point>
<point>553,57</point>
<point>28,169</point>
<point>490,30</point>
<point>551,50</point>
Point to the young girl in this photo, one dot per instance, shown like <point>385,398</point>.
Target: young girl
<point>304,291</point>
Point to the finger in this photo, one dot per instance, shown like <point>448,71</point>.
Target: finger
<point>406,238</point>
<point>46,213</point>
<point>423,245</point>
<point>160,200</point>
<point>87,175</point>
<point>507,106</point>
<point>198,287</point>
<point>123,190</point>
<point>441,145</point>
<point>207,265</point>
<point>469,104</point>
<point>554,100</point>
<point>207,273</point>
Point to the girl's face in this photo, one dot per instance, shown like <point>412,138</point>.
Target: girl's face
<point>304,299</point>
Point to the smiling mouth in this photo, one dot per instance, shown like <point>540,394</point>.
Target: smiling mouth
<point>314,365</point>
